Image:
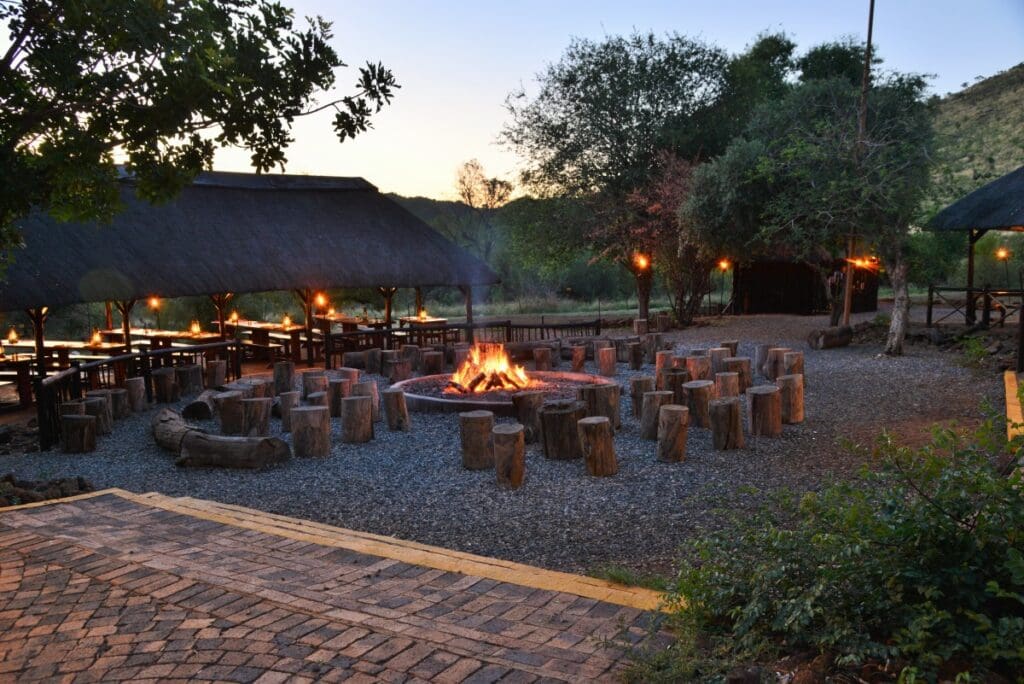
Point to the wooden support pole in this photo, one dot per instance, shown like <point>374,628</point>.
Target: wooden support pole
<point>38,317</point>
<point>125,309</point>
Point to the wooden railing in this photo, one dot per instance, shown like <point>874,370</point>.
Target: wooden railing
<point>337,344</point>
<point>999,301</point>
<point>69,384</point>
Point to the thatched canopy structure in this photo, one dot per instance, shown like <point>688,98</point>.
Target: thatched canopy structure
<point>999,205</point>
<point>232,232</point>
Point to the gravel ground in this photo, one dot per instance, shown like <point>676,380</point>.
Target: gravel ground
<point>411,485</point>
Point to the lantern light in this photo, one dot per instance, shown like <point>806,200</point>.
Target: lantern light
<point>641,261</point>
<point>12,336</point>
<point>286,321</point>
<point>96,338</point>
<point>195,328</point>
<point>154,303</point>
<point>1002,254</point>
<point>321,299</point>
<point>234,316</point>
<point>723,265</point>
<point>331,311</point>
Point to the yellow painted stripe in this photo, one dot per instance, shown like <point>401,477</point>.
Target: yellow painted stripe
<point>406,552</point>
<point>1013,408</point>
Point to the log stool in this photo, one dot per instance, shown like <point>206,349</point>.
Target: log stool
<point>387,357</point>
<point>761,357</point>
<point>791,387</point>
<point>165,389</point>
<point>774,366</point>
<point>718,356</point>
<point>313,381</point>
<point>606,361</point>
<point>136,393</point>
<point>368,388</point>
<point>526,405</point>
<point>229,409</point>
<point>318,399</point>
<point>698,394</point>
<point>262,388</point>
<point>459,356</point>
<point>699,367</point>
<point>72,407</point>
<point>311,431</point>
<point>353,375</point>
<point>256,416</point>
<point>654,345</point>
<point>640,326</point>
<point>373,358</point>
<point>793,363</point>
<point>119,404</point>
<point>732,345</point>
<point>726,423</point>
<point>337,389</point>
<point>558,431</point>
<point>579,357</point>
<point>764,410</point>
<point>675,381</point>
<point>595,434</point>
<point>284,376</point>
<point>741,366</point>
<point>477,446</point>
<point>662,361</point>
<point>410,353</point>
<point>635,354</point>
<point>217,373</point>
<point>395,410</point>
<point>99,406</point>
<point>354,359</point>
<point>432,362</point>
<point>542,358</point>
<point>399,369</point>
<point>601,400</point>
<point>639,386</point>
<point>673,425</point>
<point>727,384</point>
<point>357,418</point>
<point>286,402</point>
<point>77,433</point>
<point>652,403</point>
<point>189,379</point>
<point>509,455</point>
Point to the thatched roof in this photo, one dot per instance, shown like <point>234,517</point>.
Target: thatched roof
<point>233,232</point>
<point>996,206</point>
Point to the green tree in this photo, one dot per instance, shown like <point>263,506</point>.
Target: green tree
<point>158,86</point>
<point>478,230</point>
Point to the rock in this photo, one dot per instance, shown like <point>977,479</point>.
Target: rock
<point>6,434</point>
<point>936,336</point>
<point>745,674</point>
<point>806,675</point>
<point>994,348</point>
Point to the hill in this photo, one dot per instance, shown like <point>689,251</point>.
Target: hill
<point>980,134</point>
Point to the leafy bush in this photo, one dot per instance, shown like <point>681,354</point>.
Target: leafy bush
<point>974,352</point>
<point>919,562</point>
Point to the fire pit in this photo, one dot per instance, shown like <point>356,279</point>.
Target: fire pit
<point>487,380</point>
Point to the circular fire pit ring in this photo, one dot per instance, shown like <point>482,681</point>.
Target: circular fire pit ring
<point>426,394</point>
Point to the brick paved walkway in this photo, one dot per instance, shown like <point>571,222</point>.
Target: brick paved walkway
<point>124,587</point>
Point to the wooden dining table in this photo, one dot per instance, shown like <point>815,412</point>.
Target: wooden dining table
<point>260,332</point>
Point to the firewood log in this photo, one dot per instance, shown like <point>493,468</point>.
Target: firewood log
<point>195,447</point>
<point>200,408</point>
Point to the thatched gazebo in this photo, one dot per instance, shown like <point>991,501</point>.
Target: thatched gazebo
<point>232,233</point>
<point>999,205</point>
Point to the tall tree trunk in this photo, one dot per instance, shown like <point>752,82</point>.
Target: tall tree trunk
<point>898,267</point>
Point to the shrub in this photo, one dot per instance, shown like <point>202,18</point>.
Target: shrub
<point>920,562</point>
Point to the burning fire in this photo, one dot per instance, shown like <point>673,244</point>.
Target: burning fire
<point>487,368</point>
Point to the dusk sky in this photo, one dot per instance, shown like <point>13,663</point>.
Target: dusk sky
<point>456,62</point>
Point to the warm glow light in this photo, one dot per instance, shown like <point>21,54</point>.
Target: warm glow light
<point>423,314</point>
<point>233,317</point>
<point>864,262</point>
<point>286,321</point>
<point>641,261</point>
<point>1002,254</point>
<point>321,299</point>
<point>96,337</point>
<point>12,336</point>
<point>331,311</point>
<point>486,368</point>
<point>154,302</point>
<point>195,328</point>
<point>724,265</point>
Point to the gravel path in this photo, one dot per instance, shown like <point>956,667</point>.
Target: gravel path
<point>411,485</point>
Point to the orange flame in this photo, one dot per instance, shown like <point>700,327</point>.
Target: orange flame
<point>488,367</point>
<point>641,261</point>
<point>96,338</point>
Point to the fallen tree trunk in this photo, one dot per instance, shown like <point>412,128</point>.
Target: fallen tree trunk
<point>200,408</point>
<point>197,448</point>
<point>828,338</point>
